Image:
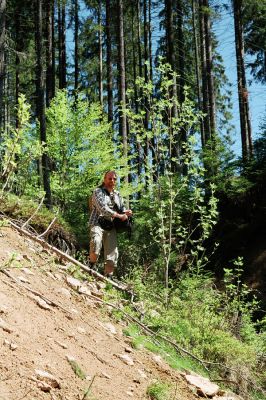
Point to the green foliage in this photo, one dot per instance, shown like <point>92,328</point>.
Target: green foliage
<point>158,391</point>
<point>77,369</point>
<point>20,149</point>
<point>214,326</point>
<point>81,149</point>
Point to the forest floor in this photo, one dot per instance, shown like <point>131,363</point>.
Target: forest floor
<point>57,343</point>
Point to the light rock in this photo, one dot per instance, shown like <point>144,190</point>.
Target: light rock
<point>142,373</point>
<point>204,386</point>
<point>81,330</point>
<point>63,345</point>
<point>110,327</point>
<point>3,309</point>
<point>13,346</point>
<point>23,279</point>
<point>5,326</point>
<point>228,396</point>
<point>27,271</point>
<point>73,282</point>
<point>44,387</point>
<point>105,375</point>
<point>84,290</point>
<point>65,292</point>
<point>126,359</point>
<point>48,378</point>
<point>42,303</point>
<point>130,394</point>
<point>157,359</point>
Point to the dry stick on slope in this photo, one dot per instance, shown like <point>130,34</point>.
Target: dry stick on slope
<point>35,212</point>
<point>66,257</point>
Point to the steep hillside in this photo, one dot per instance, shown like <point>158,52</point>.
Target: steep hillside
<point>59,342</point>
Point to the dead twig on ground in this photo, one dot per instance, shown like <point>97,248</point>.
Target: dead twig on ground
<point>47,230</point>
<point>35,212</point>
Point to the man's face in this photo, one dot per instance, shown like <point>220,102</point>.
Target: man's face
<point>110,181</point>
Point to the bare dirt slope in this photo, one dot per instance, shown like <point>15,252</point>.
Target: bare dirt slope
<point>39,338</point>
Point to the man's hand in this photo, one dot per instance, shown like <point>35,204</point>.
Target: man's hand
<point>128,213</point>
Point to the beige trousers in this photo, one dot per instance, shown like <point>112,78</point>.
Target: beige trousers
<point>107,239</point>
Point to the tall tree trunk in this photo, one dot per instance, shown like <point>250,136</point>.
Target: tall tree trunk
<point>197,69</point>
<point>100,47</point>
<point>50,73</point>
<point>139,38</point>
<point>150,41</point>
<point>122,83</point>
<point>76,61</point>
<point>62,43</point>
<point>40,99</point>
<point>209,68</point>
<point>109,62</point>
<point>245,124</point>
<point>2,61</point>
<point>174,142</point>
<point>205,98</point>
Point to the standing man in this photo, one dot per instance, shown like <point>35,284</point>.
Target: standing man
<point>104,205</point>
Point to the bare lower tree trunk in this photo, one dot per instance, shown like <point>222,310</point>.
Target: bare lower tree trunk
<point>76,61</point>
<point>109,62</point>
<point>100,46</point>
<point>2,61</point>
<point>50,77</point>
<point>40,99</point>
<point>62,43</point>
<point>245,124</point>
<point>122,83</point>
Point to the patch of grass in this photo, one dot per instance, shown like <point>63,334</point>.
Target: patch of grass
<point>159,391</point>
<point>77,369</point>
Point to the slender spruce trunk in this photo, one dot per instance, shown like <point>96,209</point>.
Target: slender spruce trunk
<point>40,99</point>
<point>245,124</point>
<point>100,52</point>
<point>76,61</point>
<point>109,61</point>
<point>2,62</point>
<point>122,80</point>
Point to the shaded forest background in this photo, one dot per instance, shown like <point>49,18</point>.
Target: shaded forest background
<point>143,90</point>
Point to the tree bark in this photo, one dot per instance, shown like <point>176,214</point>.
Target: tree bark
<point>122,83</point>
<point>100,47</point>
<point>2,61</point>
<point>50,72</point>
<point>245,124</point>
<point>62,44</point>
<point>109,61</point>
<point>76,61</point>
<point>40,99</point>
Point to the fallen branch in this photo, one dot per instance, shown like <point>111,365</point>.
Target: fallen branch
<point>49,227</point>
<point>35,212</point>
<point>66,257</point>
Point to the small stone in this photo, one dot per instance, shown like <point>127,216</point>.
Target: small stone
<point>27,271</point>
<point>130,394</point>
<point>23,279</point>
<point>110,327</point>
<point>65,292</point>
<point>73,282</point>
<point>128,349</point>
<point>5,326</point>
<point>105,375</point>
<point>81,330</point>
<point>13,346</point>
<point>42,303</point>
<point>204,386</point>
<point>44,387</point>
<point>126,359</point>
<point>142,373</point>
<point>63,345</point>
<point>48,378</point>
<point>84,290</point>
<point>157,359</point>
